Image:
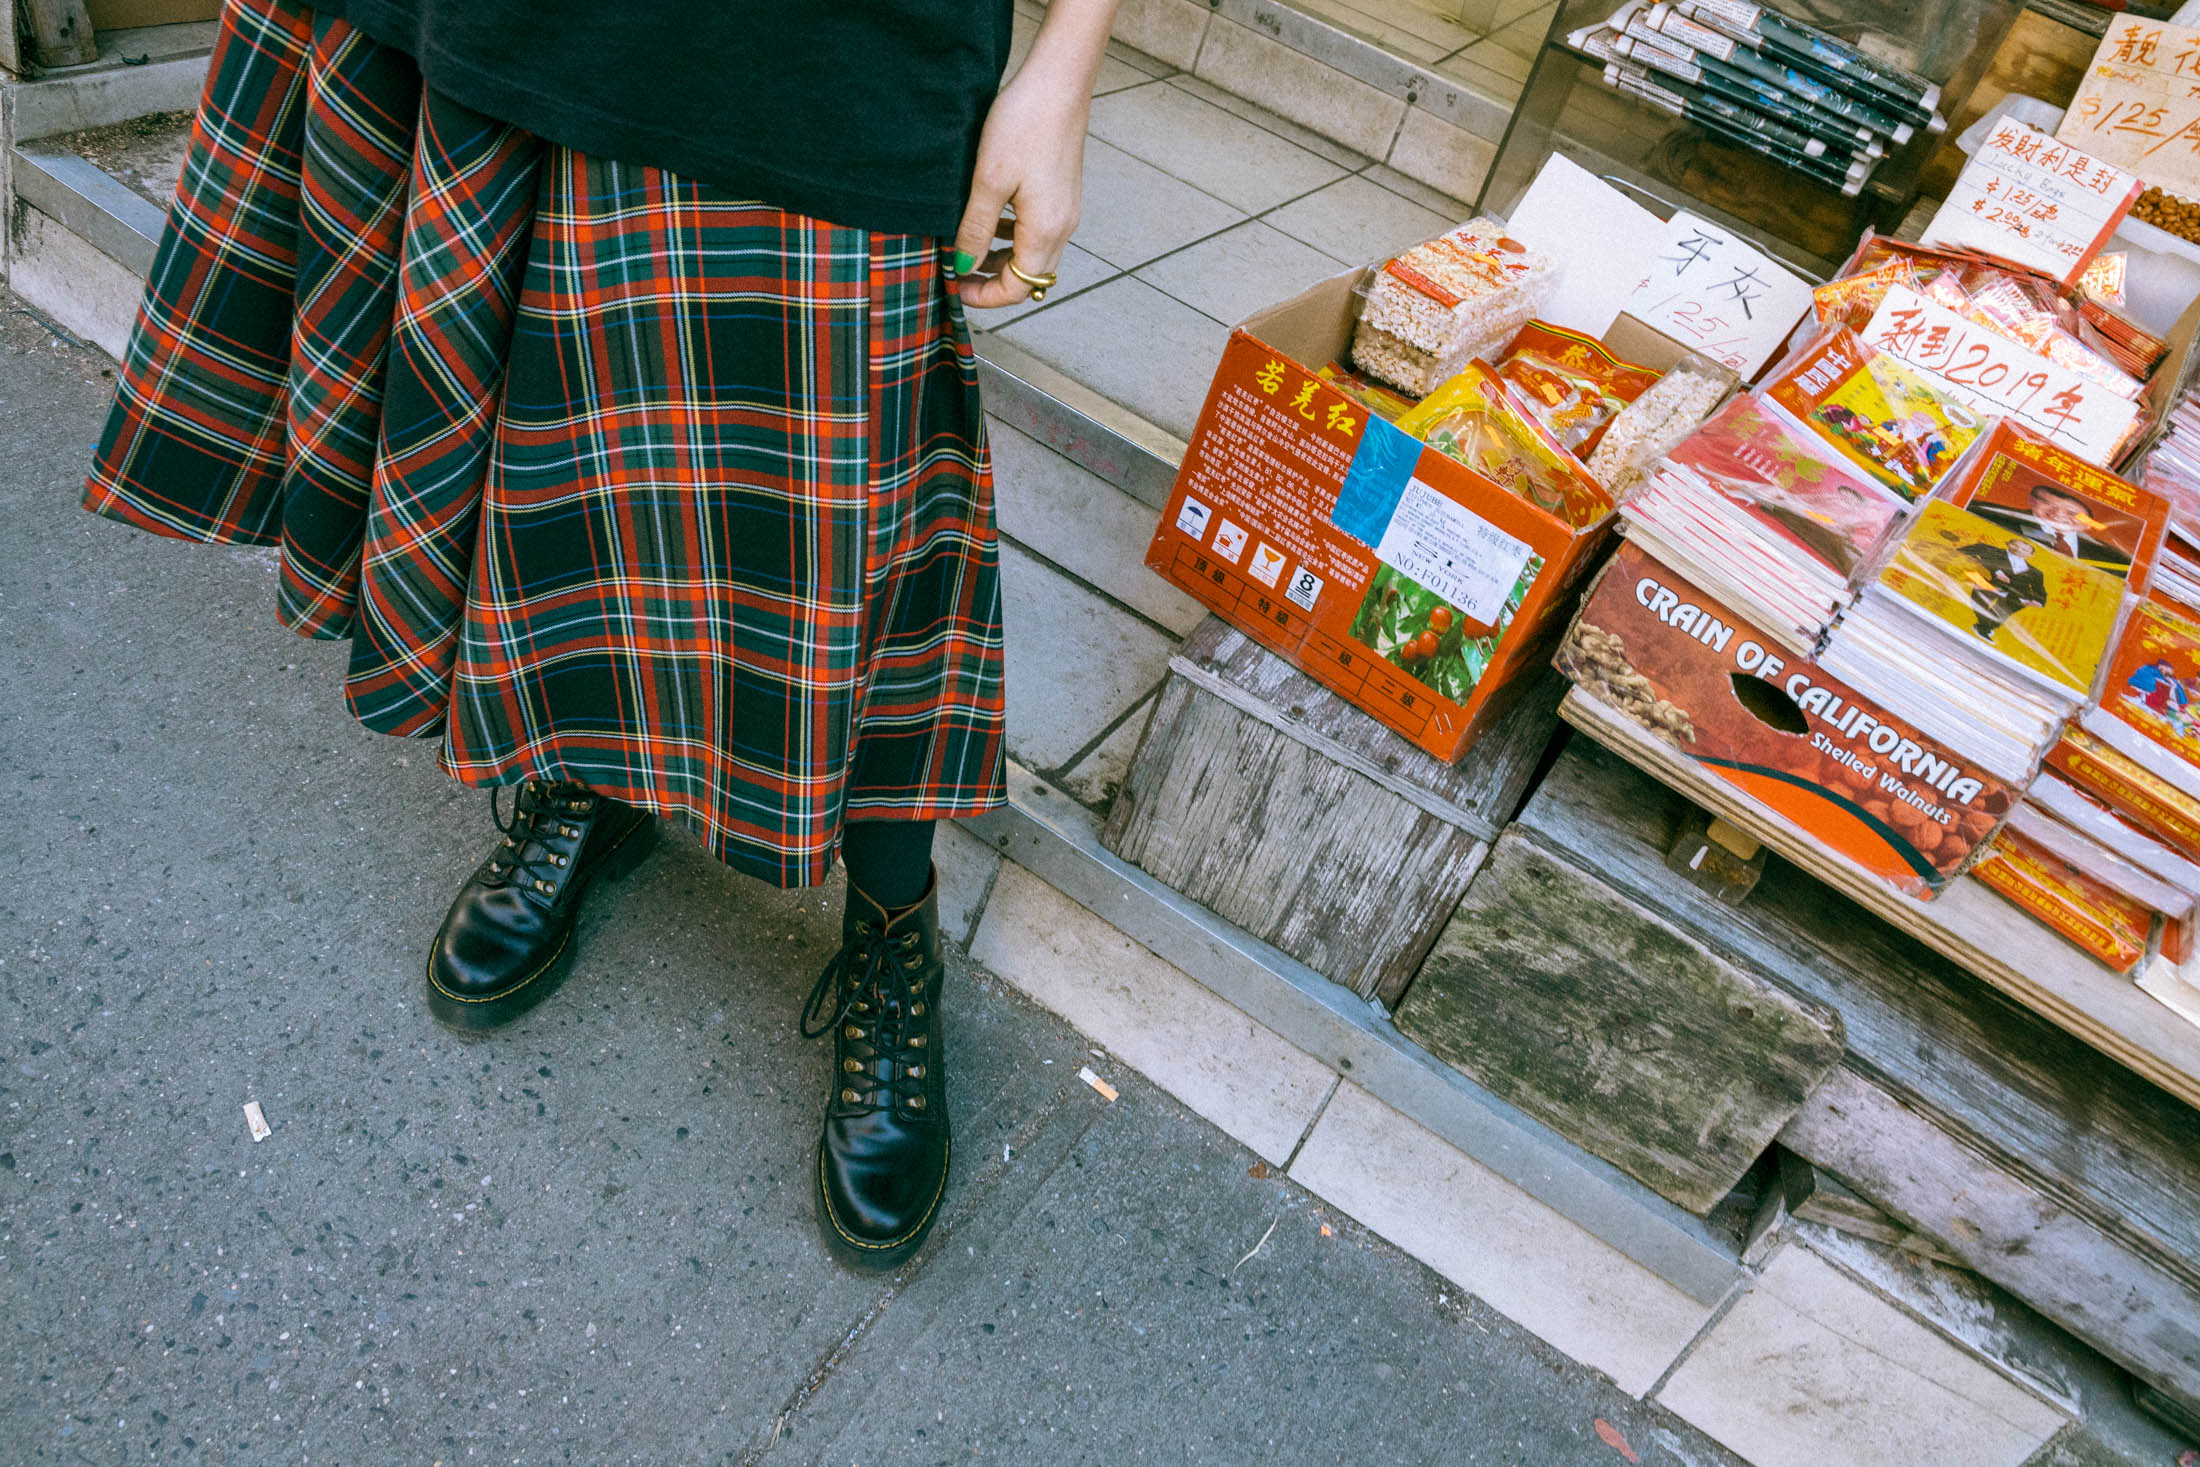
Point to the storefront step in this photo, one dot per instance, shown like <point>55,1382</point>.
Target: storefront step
<point>1054,838</point>
<point>1822,1350</point>
<point>1431,101</point>
<point>140,71</point>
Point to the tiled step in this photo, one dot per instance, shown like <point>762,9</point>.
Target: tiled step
<point>1426,92</point>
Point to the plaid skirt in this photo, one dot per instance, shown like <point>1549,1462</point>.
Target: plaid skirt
<point>605,477</point>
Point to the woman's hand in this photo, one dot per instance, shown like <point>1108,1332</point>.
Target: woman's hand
<point>1030,178</point>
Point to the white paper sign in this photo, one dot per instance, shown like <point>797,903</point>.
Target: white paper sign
<point>1602,239</point>
<point>1992,374</point>
<point>2028,198</point>
<point>1711,290</point>
<point>2138,105</point>
<point>1454,552</point>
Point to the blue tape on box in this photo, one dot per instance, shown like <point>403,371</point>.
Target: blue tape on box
<point>1381,468</point>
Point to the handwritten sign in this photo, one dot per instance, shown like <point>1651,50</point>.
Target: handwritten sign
<point>2139,104</point>
<point>1993,374</point>
<point>2034,200</point>
<point>1711,290</point>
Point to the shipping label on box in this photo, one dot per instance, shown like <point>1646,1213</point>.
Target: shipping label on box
<point>1803,744</point>
<point>1397,576</point>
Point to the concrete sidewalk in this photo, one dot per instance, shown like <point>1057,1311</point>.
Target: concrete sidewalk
<point>587,1239</point>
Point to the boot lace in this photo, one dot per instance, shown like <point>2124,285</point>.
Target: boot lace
<point>541,811</point>
<point>881,1036</point>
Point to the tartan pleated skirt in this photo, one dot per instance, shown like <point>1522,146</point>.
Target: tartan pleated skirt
<point>604,476</point>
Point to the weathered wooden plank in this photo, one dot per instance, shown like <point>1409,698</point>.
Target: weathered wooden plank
<point>1479,793</point>
<point>1812,1195</point>
<point>1614,1028</point>
<point>2140,1315</point>
<point>1296,848</point>
<point>1980,931</point>
<point>60,32</point>
<point>2087,1133</point>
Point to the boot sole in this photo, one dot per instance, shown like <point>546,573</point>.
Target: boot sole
<point>472,1018</point>
<point>867,1257</point>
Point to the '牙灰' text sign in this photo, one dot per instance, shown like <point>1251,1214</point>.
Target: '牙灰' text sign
<point>1995,375</point>
<point>2035,200</point>
<point>2139,104</point>
<point>1714,292</point>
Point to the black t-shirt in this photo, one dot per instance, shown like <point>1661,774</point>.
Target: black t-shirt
<point>861,112</point>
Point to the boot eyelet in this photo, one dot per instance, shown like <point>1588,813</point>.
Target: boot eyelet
<point>852,1032</point>
<point>916,1102</point>
<point>853,1067</point>
<point>543,887</point>
<point>917,1041</point>
<point>851,1097</point>
<point>916,1011</point>
<point>558,861</point>
<point>916,1072</point>
<point>568,831</point>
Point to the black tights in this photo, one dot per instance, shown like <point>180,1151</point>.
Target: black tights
<point>889,861</point>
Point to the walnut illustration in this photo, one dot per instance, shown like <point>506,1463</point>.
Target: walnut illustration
<point>1597,660</point>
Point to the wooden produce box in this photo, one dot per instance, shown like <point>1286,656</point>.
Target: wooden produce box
<point>1586,978</point>
<point>1266,797</point>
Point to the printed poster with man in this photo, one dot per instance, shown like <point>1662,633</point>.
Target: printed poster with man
<point>2037,611</point>
<point>2153,692</point>
<point>2021,482</point>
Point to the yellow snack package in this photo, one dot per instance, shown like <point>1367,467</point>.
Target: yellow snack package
<point>1476,419</point>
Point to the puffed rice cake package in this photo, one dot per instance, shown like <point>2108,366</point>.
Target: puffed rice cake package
<point>1439,305</point>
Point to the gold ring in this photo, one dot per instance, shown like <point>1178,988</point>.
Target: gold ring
<point>1040,283</point>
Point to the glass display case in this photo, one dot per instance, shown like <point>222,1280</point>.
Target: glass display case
<point>1672,162</point>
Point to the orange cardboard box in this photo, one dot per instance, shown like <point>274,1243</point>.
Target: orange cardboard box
<point>1413,586</point>
<point>1799,742</point>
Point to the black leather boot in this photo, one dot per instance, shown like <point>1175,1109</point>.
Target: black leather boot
<point>882,1166</point>
<point>508,940</point>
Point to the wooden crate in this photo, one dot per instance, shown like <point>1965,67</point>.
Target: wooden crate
<point>2024,1152</point>
<point>1615,1028</point>
<point>1262,795</point>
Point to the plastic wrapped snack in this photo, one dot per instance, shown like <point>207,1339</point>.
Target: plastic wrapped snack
<point>1649,427</point>
<point>1476,419</point>
<point>1441,304</point>
<point>1571,382</point>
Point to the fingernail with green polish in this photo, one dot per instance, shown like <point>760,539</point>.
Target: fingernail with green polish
<point>965,262</point>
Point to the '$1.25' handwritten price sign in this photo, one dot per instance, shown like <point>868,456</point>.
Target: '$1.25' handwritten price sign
<point>2139,104</point>
<point>2036,200</point>
<point>1995,375</point>
<point>1716,293</point>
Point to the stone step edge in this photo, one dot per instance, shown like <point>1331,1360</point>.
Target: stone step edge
<point>1055,838</point>
<point>1263,51</point>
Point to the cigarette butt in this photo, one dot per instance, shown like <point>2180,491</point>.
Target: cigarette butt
<point>256,1121</point>
<point>1107,1091</point>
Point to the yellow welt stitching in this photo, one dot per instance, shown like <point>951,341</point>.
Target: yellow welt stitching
<point>543,968</point>
<point>947,1155</point>
<point>546,962</point>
